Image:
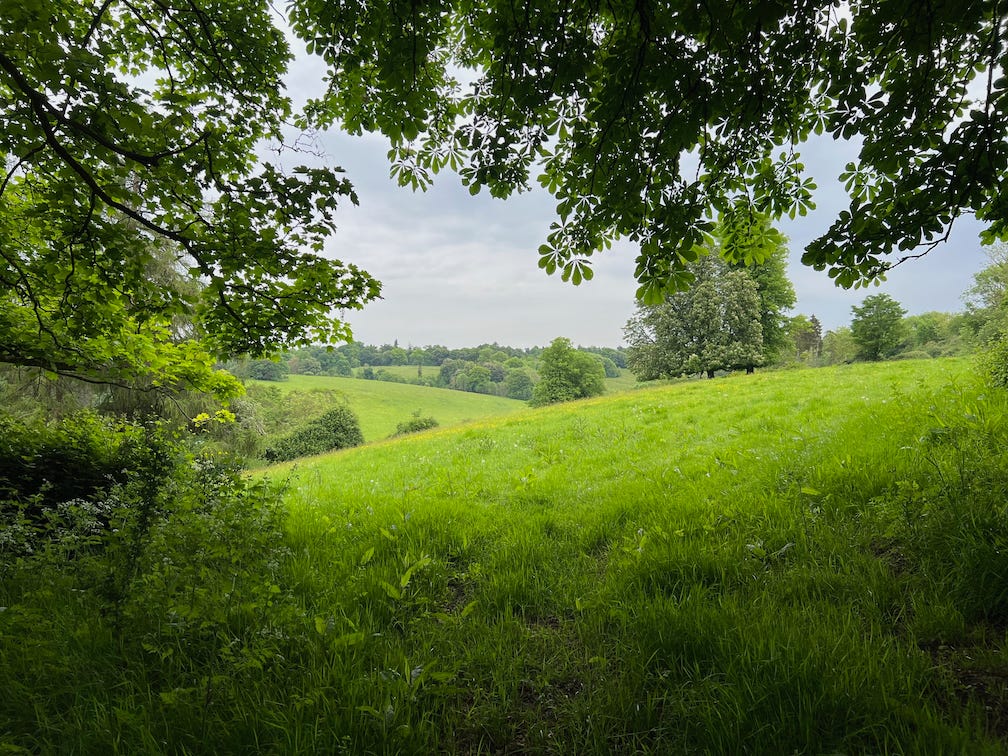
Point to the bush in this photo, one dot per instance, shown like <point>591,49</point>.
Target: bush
<point>913,354</point>
<point>75,458</point>
<point>567,373</point>
<point>336,429</point>
<point>994,362</point>
<point>415,424</point>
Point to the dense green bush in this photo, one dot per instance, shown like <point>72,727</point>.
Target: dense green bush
<point>179,606</point>
<point>566,373</point>
<point>913,354</point>
<point>994,361</point>
<point>336,429</point>
<point>415,424</point>
<point>75,458</point>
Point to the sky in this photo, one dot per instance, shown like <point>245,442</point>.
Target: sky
<point>461,270</point>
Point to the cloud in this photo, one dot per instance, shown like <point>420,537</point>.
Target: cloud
<point>462,270</point>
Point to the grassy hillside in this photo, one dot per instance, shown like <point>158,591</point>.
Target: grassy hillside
<point>798,562</point>
<point>810,561</point>
<point>381,406</point>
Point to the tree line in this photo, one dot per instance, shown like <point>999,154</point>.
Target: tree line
<point>485,369</point>
<point>734,317</point>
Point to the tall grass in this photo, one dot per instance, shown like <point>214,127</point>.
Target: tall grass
<point>809,562</point>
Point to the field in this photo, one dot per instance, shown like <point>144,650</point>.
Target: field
<point>381,406</point>
<point>809,561</point>
<point>626,379</point>
<point>751,563</point>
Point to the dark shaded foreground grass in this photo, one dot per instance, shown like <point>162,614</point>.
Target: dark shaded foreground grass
<point>812,562</point>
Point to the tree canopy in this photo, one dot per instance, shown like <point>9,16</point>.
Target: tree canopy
<point>136,211</point>
<point>714,325</point>
<point>646,120</point>
<point>566,373</point>
<point>877,327</point>
<point>143,231</point>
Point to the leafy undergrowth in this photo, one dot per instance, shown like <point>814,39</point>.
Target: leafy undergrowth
<point>812,562</point>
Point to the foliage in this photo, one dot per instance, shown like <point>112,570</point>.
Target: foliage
<point>519,384</point>
<point>806,335</point>
<point>566,373</point>
<point>184,610</point>
<point>580,93</point>
<point>715,325</point>
<point>266,370</point>
<point>990,285</point>
<point>338,428</point>
<point>877,327</point>
<point>415,424</point>
<point>994,362</point>
<point>839,346</point>
<point>776,293</point>
<point>140,233</point>
<point>82,455</point>
<point>935,333</point>
<point>987,311</point>
<point>608,366</point>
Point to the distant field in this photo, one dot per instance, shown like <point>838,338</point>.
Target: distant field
<point>381,405</point>
<point>625,381</point>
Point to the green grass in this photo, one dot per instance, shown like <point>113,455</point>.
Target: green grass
<point>798,562</point>
<point>381,405</point>
<point>711,566</point>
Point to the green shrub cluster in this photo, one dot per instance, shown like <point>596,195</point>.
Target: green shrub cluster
<point>42,465</point>
<point>994,361</point>
<point>165,588</point>
<point>415,424</point>
<point>338,428</point>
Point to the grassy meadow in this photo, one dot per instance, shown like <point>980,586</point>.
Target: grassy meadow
<point>810,561</point>
<point>381,406</point>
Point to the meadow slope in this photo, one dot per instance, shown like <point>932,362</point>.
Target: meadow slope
<point>381,405</point>
<point>813,561</point>
<point>809,561</point>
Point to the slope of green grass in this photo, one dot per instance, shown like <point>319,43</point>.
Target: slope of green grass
<point>746,564</point>
<point>381,405</point>
<point>799,562</point>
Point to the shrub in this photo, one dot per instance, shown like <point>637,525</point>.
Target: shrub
<point>72,459</point>
<point>336,429</point>
<point>913,354</point>
<point>994,362</point>
<point>415,424</point>
<point>567,373</point>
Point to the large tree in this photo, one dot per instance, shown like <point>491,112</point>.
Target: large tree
<point>566,373</point>
<point>987,299</point>
<point>714,325</point>
<point>768,268</point>
<point>133,196</point>
<point>877,327</point>
<point>646,119</point>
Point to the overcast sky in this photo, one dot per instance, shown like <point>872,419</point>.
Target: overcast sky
<point>460,270</point>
